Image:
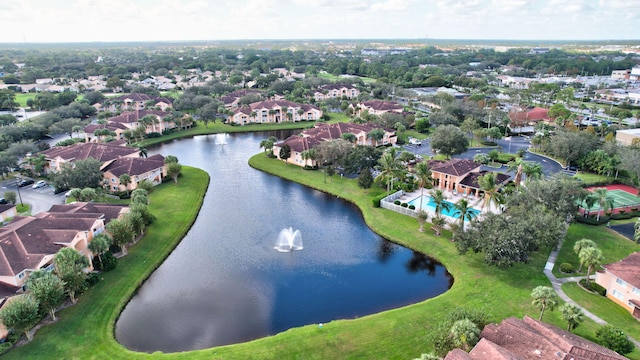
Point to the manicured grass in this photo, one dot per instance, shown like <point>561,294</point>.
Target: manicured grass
<point>614,246</point>
<point>22,98</point>
<point>591,178</point>
<point>605,309</point>
<point>334,78</point>
<point>218,127</point>
<point>86,330</point>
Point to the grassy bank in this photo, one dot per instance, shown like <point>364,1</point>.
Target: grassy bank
<point>86,330</point>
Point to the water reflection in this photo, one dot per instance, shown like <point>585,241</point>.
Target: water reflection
<point>225,283</point>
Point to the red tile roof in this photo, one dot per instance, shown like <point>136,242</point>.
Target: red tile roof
<point>130,117</point>
<point>457,167</point>
<point>533,115</point>
<point>627,269</point>
<point>134,166</point>
<point>99,151</point>
<point>144,97</point>
<point>471,180</point>
<point>382,105</point>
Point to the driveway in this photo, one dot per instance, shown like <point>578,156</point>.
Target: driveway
<point>40,199</point>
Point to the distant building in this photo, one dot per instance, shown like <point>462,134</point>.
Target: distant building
<point>274,111</point>
<point>377,107</point>
<point>336,91</point>
<point>626,137</point>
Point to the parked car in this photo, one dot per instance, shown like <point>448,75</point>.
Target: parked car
<point>25,182</point>
<point>3,201</point>
<point>39,184</point>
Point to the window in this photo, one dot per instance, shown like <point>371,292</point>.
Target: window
<point>617,294</point>
<point>621,282</point>
<point>21,275</point>
<point>113,180</point>
<point>636,291</point>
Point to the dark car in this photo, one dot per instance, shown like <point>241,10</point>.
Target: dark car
<point>3,201</point>
<point>25,182</point>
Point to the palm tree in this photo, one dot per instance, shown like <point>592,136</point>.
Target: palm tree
<point>464,211</point>
<point>350,137</point>
<point>389,167</point>
<point>76,129</point>
<point>309,155</point>
<point>491,190</point>
<point>603,199</point>
<point>572,314</point>
<point>516,165</point>
<point>582,244</point>
<point>532,170</point>
<point>544,297</point>
<point>464,334</point>
<point>266,144</point>
<point>99,245</point>
<point>423,173</point>
<point>125,180</point>
<point>440,202</point>
<point>591,257</point>
<point>143,151</point>
<point>422,218</point>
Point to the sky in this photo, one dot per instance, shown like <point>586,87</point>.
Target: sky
<point>30,21</point>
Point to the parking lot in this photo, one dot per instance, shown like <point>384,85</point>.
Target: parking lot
<point>39,199</point>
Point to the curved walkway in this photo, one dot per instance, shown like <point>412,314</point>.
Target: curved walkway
<point>557,286</point>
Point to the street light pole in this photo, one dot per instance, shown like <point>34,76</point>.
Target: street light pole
<point>20,196</point>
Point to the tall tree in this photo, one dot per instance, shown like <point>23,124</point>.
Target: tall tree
<point>582,244</point>
<point>491,190</point>
<point>99,245</point>
<point>21,314</point>
<point>47,289</point>
<point>544,298</point>
<point>449,140</point>
<point>422,218</point>
<point>603,199</point>
<point>174,169</point>
<point>572,314</point>
<point>70,265</point>
<point>590,257</point>
<point>121,233</point>
<point>285,153</point>
<point>125,180</point>
<point>423,173</point>
<point>390,168</point>
<point>464,211</point>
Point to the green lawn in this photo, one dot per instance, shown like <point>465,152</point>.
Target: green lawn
<point>22,98</point>
<point>614,246</point>
<point>86,330</point>
<point>605,309</point>
<point>591,178</point>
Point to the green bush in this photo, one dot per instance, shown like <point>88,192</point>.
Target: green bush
<point>376,200</point>
<point>397,202</point>
<point>412,207</point>
<point>92,279</point>
<point>489,143</point>
<point>625,215</point>
<point>566,268</point>
<point>404,205</point>
<point>108,263</point>
<point>504,158</point>
<point>592,286</point>
<point>592,220</point>
<point>5,346</point>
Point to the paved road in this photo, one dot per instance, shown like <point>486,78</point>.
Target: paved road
<point>39,199</point>
<point>549,166</point>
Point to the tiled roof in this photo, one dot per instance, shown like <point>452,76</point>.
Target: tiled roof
<point>382,105</point>
<point>129,117</point>
<point>455,167</point>
<point>144,97</point>
<point>532,339</point>
<point>484,349</point>
<point>532,115</point>
<point>235,95</point>
<point>25,241</point>
<point>91,128</point>
<point>627,269</point>
<point>471,180</point>
<point>135,166</point>
<point>99,151</point>
<point>324,132</point>
<point>336,87</point>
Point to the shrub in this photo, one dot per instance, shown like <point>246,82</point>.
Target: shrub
<point>376,200</point>
<point>504,158</point>
<point>404,205</point>
<point>566,268</point>
<point>621,212</point>
<point>412,207</point>
<point>153,135</point>
<point>397,202</point>
<point>108,263</point>
<point>614,339</point>
<point>489,143</point>
<point>592,220</point>
<point>92,279</point>
<point>592,286</point>
<point>5,346</point>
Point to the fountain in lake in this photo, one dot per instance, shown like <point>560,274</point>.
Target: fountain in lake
<point>289,240</point>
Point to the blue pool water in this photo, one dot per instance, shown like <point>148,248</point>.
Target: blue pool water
<point>430,205</point>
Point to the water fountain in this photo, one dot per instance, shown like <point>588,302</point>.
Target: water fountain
<point>289,240</point>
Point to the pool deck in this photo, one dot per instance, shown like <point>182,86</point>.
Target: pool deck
<point>475,203</point>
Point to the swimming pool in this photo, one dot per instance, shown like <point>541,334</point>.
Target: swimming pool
<point>429,205</point>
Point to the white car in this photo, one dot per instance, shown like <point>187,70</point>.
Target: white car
<point>39,184</point>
